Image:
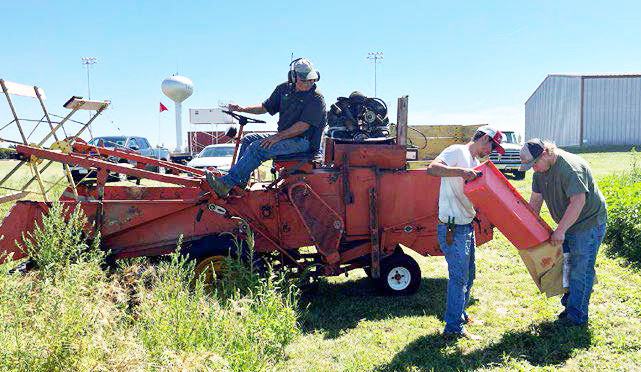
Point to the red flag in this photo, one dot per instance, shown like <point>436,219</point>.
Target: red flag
<point>163,107</point>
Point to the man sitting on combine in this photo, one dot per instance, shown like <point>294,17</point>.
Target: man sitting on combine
<point>455,230</point>
<point>301,109</point>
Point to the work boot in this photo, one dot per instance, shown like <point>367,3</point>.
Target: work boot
<point>244,185</point>
<point>567,323</point>
<point>464,334</point>
<point>220,188</point>
<point>562,314</point>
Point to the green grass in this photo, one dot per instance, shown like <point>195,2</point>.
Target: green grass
<point>345,326</point>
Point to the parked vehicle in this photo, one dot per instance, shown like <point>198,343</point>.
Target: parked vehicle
<point>137,145</point>
<point>510,161</point>
<point>214,156</point>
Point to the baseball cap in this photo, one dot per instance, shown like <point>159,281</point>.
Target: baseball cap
<point>305,70</point>
<point>531,152</point>
<point>496,137</point>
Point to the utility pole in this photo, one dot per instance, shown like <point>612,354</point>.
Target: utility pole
<point>88,61</point>
<point>376,57</point>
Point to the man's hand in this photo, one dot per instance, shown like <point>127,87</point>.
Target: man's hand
<point>439,169</point>
<point>469,174</point>
<point>558,237</point>
<point>235,107</point>
<point>270,141</point>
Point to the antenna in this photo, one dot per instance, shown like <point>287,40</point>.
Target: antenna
<point>376,57</point>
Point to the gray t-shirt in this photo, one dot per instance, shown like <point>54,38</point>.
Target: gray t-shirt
<point>293,106</point>
<point>568,176</point>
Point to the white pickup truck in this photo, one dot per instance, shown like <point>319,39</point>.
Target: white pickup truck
<point>510,161</point>
<point>138,144</point>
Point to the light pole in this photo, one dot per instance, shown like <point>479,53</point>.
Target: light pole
<point>376,57</point>
<point>88,61</point>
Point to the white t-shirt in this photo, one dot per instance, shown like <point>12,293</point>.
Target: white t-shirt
<point>452,202</point>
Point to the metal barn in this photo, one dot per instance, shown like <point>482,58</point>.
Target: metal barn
<point>586,110</point>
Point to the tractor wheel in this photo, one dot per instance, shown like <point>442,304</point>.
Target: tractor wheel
<point>400,275</point>
<point>211,253</point>
<point>210,268</point>
<point>518,175</point>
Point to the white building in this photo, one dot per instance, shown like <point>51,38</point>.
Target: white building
<point>586,110</point>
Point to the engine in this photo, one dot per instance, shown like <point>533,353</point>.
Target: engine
<point>358,118</point>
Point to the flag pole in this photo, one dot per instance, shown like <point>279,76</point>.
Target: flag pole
<point>158,144</point>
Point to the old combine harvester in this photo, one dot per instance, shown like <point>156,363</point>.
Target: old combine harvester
<point>355,208</point>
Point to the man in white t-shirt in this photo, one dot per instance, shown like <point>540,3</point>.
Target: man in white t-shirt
<point>455,213</point>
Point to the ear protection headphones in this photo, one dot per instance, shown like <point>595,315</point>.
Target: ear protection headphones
<point>291,75</point>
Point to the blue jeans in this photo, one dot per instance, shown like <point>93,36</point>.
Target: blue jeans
<point>462,271</point>
<point>583,247</point>
<point>252,154</point>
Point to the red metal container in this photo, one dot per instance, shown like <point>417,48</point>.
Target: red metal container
<point>497,199</point>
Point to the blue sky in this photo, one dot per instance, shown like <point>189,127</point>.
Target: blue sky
<point>459,62</point>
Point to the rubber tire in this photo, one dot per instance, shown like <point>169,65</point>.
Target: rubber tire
<point>399,263</point>
<point>215,248</point>
<point>518,175</point>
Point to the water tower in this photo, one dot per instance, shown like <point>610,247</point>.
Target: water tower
<point>178,89</point>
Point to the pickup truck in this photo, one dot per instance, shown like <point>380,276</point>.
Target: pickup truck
<point>138,144</point>
<point>510,161</point>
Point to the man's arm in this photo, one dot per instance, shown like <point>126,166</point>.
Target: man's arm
<point>256,109</point>
<point>299,127</point>
<point>577,201</point>
<point>536,201</point>
<point>438,168</point>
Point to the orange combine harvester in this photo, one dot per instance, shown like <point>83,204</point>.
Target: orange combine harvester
<point>357,207</point>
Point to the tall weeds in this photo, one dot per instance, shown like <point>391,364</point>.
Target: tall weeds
<point>622,193</point>
<point>70,314</point>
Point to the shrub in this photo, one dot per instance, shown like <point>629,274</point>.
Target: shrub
<point>60,239</point>
<point>622,193</point>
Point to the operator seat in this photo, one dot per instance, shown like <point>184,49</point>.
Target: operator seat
<point>301,161</point>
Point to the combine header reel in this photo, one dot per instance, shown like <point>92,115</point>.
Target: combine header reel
<point>52,137</point>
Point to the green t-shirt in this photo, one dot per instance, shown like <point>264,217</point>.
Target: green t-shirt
<point>568,176</point>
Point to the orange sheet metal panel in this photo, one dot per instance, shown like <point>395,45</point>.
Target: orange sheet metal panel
<point>381,156</point>
<point>497,199</point>
<point>357,220</point>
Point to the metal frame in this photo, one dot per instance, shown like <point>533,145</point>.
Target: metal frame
<point>74,104</point>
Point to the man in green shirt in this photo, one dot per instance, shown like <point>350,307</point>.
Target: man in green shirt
<point>566,184</point>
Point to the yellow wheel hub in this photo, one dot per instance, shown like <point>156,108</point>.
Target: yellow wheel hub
<point>210,268</point>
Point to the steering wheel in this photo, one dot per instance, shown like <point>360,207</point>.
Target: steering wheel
<point>242,119</point>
